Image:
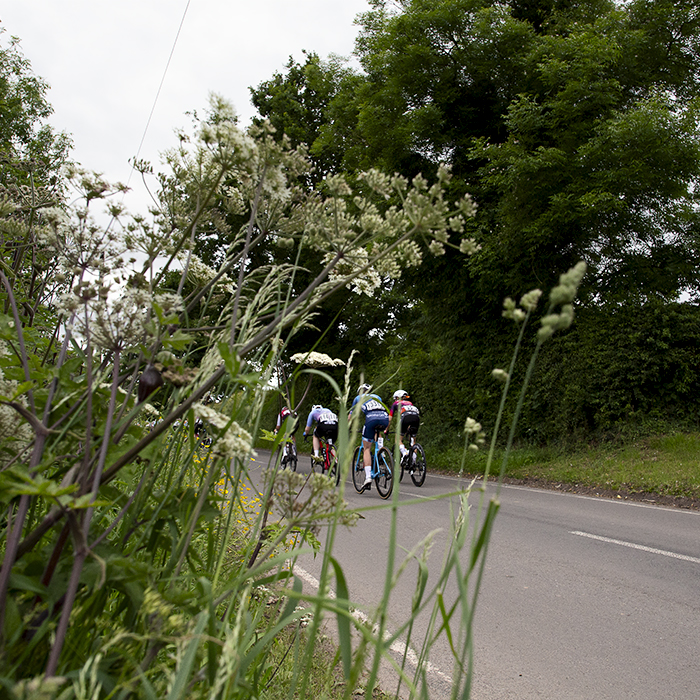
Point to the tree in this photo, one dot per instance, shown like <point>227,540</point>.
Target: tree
<point>28,144</point>
<point>573,124</point>
<point>297,104</point>
<point>31,158</point>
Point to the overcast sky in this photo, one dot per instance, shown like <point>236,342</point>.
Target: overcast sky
<point>105,60</point>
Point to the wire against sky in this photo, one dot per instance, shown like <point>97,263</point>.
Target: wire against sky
<point>160,87</point>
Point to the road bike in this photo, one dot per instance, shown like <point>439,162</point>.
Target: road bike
<point>328,465</point>
<point>414,462</point>
<point>289,454</point>
<point>382,468</point>
<point>201,434</point>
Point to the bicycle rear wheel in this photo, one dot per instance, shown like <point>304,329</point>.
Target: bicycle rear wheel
<point>357,468</point>
<point>417,465</point>
<point>290,456</point>
<point>318,465</point>
<point>385,473</point>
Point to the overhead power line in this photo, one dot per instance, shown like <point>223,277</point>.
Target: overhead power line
<point>160,87</point>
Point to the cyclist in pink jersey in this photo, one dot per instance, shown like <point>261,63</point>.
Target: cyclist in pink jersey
<point>410,416</point>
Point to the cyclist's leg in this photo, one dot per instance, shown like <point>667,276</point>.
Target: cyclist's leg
<point>378,427</point>
<point>402,448</point>
<point>367,453</point>
<point>410,427</point>
<point>367,439</point>
<point>317,444</point>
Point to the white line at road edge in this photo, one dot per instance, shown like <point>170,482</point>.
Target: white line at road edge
<point>397,646</point>
<point>632,545</point>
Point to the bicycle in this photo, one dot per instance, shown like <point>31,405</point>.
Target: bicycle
<point>414,462</point>
<point>382,468</point>
<point>201,434</point>
<point>289,454</point>
<point>329,460</point>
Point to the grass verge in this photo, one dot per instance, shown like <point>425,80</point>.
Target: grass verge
<point>663,469</point>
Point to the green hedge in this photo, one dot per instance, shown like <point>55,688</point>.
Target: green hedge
<point>616,373</point>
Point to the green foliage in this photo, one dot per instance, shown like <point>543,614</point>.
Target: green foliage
<point>139,554</point>
<point>654,468</point>
<point>618,373</point>
<point>574,125</point>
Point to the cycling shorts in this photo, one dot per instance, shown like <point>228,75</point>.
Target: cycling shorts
<point>327,431</point>
<point>373,422</point>
<point>409,423</point>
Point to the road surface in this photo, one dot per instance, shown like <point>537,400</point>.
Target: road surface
<point>582,597</point>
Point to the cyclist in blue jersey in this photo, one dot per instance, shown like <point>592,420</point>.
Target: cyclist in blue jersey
<point>376,418</point>
<point>326,427</point>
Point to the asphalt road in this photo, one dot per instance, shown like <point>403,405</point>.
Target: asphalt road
<point>581,598</point>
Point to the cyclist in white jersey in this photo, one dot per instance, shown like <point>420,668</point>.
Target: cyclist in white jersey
<point>326,427</point>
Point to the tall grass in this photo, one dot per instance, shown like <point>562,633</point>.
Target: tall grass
<point>138,561</point>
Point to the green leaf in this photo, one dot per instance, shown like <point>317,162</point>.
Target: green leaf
<point>231,360</point>
<point>291,605</point>
<point>22,388</point>
<point>20,582</point>
<point>343,614</point>
<point>179,340</point>
<point>13,619</point>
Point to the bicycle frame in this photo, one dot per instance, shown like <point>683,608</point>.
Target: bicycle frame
<point>381,469</point>
<point>329,464</point>
<point>414,461</point>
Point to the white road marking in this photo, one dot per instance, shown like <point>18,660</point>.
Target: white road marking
<point>397,646</point>
<point>632,545</point>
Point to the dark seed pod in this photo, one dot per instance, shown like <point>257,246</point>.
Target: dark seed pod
<point>149,382</point>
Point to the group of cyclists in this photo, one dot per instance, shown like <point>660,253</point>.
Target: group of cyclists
<point>377,418</point>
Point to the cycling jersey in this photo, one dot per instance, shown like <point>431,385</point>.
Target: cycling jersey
<point>410,416</point>
<point>321,415</point>
<point>326,423</point>
<point>285,414</point>
<point>404,407</point>
<point>375,412</point>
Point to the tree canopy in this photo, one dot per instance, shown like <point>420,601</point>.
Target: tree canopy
<point>574,124</point>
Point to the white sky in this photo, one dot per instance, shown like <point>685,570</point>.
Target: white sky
<point>104,61</point>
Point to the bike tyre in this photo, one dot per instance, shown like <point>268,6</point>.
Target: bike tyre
<point>292,456</point>
<point>385,477</point>
<point>420,467</point>
<point>358,470</point>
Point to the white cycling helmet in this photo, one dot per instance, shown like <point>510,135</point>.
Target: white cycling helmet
<point>400,394</point>
<point>316,407</point>
<point>364,389</point>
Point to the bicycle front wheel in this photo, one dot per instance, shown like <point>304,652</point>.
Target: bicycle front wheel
<point>385,473</point>
<point>358,470</point>
<point>417,465</point>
